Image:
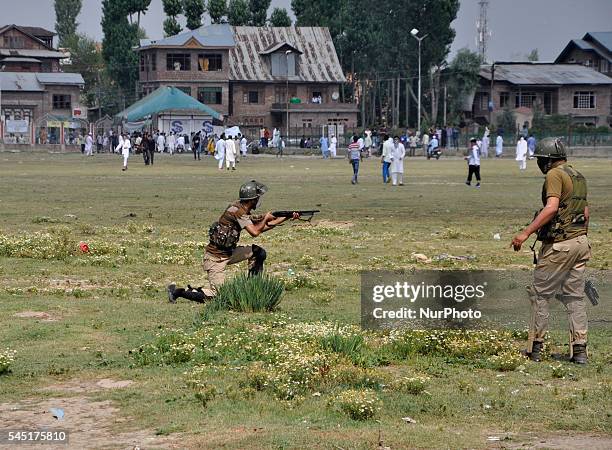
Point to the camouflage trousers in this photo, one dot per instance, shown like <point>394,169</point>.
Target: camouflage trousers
<point>560,273</point>
<point>215,265</point>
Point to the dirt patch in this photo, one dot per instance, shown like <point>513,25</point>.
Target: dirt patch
<point>81,386</point>
<point>70,283</point>
<point>43,316</point>
<point>553,441</point>
<point>89,424</point>
<point>335,224</point>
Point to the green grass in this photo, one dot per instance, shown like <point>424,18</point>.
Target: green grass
<point>147,227</point>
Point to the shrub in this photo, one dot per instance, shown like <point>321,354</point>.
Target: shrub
<point>350,346</point>
<point>261,293</point>
<point>506,361</point>
<point>7,357</point>
<point>357,404</point>
<point>410,385</point>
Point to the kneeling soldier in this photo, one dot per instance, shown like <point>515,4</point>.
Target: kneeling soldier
<point>223,248</point>
<point>560,270</point>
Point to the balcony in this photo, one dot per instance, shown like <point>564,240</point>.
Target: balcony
<point>315,107</point>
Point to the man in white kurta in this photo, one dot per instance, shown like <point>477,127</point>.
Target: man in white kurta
<point>220,151</point>
<point>161,143</point>
<point>89,145</point>
<point>398,152</point>
<point>171,143</point>
<point>484,147</point>
<point>230,153</point>
<point>126,145</point>
<point>180,144</point>
<point>243,146</point>
<point>521,153</point>
<point>499,146</point>
<point>333,145</point>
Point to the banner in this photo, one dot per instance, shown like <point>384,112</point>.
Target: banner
<point>17,126</point>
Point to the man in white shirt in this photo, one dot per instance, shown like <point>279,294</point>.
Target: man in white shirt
<point>397,162</point>
<point>387,151</point>
<point>243,145</point>
<point>126,145</point>
<point>220,151</point>
<point>473,163</point>
<point>230,153</point>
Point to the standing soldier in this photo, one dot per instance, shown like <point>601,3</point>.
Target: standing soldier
<point>562,227</point>
<point>223,248</point>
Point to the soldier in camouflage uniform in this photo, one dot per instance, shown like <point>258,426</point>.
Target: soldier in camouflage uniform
<point>223,248</point>
<point>560,270</point>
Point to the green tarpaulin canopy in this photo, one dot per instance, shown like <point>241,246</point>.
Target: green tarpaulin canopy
<point>165,99</point>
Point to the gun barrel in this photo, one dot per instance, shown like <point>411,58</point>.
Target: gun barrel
<point>287,213</point>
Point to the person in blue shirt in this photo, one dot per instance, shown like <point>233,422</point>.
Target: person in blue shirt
<point>433,144</point>
<point>324,146</point>
<point>531,145</point>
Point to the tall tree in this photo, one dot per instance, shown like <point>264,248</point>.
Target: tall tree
<point>217,9</point>
<point>259,12</point>
<point>193,10</point>
<point>462,80</point>
<point>119,38</point>
<point>86,59</point>
<point>137,7</point>
<point>66,13</point>
<point>280,18</point>
<point>172,8</point>
<point>533,56</point>
<point>238,13</point>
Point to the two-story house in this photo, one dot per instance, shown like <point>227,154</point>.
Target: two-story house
<point>567,89</point>
<point>255,76</point>
<point>32,88</point>
<point>593,50</point>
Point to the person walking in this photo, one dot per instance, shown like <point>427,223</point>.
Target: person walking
<point>150,147</point>
<point>387,149</point>
<point>324,146</point>
<point>230,153</point>
<point>220,151</point>
<point>172,143</point>
<point>354,156</point>
<point>397,162</point>
<point>243,145</point>
<point>521,153</point>
<point>484,147</point>
<point>425,142</point>
<point>161,143</point>
<point>280,146</point>
<point>126,145</point>
<point>562,226</point>
<point>89,145</point>
<point>531,145</point>
<point>473,160</point>
<point>499,145</point>
<point>413,141</point>
<point>197,148</point>
<point>367,142</point>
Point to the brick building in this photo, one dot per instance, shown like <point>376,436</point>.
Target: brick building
<point>593,50</point>
<point>34,94</point>
<point>245,73</point>
<point>567,89</point>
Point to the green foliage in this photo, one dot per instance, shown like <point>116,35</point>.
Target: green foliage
<point>171,27</point>
<point>238,13</point>
<point>245,293</point>
<point>172,8</point>
<point>350,346</point>
<point>7,357</point>
<point>259,12</point>
<point>546,125</point>
<point>357,404</point>
<point>280,18</point>
<point>533,55</point>
<point>137,7</point>
<point>193,10</point>
<point>120,36</point>
<point>463,79</point>
<point>217,9</point>
<point>507,122</point>
<point>87,60</point>
<point>66,13</point>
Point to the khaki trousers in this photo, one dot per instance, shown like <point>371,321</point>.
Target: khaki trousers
<point>560,272</point>
<point>215,265</point>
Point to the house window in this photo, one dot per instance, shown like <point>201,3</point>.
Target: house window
<point>210,62</point>
<point>185,89</point>
<point>14,42</point>
<point>604,66</point>
<point>484,102</point>
<point>61,102</point>
<point>251,97</point>
<point>142,62</point>
<point>525,100</point>
<point>504,99</point>
<point>178,61</point>
<point>210,95</point>
<point>584,100</point>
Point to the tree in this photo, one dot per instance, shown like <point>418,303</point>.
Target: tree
<point>193,10</point>
<point>463,78</point>
<point>66,13</point>
<point>120,36</point>
<point>172,8</point>
<point>238,13</point>
<point>217,9</point>
<point>280,18</point>
<point>86,59</point>
<point>259,12</point>
<point>137,7</point>
<point>533,55</point>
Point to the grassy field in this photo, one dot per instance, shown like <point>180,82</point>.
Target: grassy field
<point>95,335</point>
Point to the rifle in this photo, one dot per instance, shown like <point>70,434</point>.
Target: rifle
<point>305,215</point>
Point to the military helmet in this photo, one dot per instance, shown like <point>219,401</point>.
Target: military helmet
<point>550,148</point>
<point>252,190</point>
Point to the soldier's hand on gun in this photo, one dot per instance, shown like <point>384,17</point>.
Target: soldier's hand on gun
<point>518,240</point>
<point>296,216</point>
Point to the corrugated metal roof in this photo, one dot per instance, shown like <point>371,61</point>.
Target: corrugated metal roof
<point>17,59</point>
<point>217,35</point>
<point>317,63</point>
<point>603,37</point>
<point>34,82</point>
<point>545,74</point>
<point>32,53</point>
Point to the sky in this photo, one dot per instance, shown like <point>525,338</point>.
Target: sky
<point>517,26</point>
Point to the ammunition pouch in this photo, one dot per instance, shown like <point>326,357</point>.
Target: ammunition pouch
<point>224,237</point>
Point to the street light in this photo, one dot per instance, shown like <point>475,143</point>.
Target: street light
<point>414,33</point>
<point>287,95</point>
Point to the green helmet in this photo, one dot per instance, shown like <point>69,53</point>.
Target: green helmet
<point>550,148</point>
<point>252,190</point>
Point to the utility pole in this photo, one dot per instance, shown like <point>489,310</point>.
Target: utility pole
<point>482,29</point>
<point>414,33</point>
<point>491,103</point>
<point>287,96</point>
<point>445,104</point>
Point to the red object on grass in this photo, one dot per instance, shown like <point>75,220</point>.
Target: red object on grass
<point>84,247</point>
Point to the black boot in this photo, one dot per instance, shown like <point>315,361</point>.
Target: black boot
<point>260,256</point>
<point>172,293</point>
<point>536,351</point>
<point>196,295</point>
<point>579,354</point>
